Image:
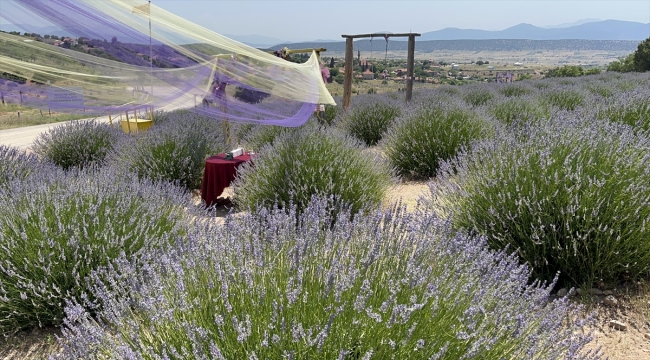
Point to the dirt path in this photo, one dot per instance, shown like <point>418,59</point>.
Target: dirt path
<point>23,137</point>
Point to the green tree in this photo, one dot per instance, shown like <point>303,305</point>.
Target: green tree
<point>334,72</point>
<point>625,64</point>
<point>566,71</point>
<point>642,56</point>
<point>339,78</point>
<point>593,71</point>
<point>332,62</point>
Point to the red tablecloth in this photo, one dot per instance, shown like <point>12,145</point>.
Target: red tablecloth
<point>218,175</point>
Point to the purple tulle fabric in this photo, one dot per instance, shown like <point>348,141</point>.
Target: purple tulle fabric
<point>122,43</point>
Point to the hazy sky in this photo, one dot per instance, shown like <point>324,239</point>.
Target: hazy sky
<point>300,20</point>
<point>310,19</point>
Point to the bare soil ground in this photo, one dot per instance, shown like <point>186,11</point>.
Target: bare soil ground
<point>633,308</point>
<point>34,345</point>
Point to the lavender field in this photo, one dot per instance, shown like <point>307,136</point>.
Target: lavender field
<point>535,186</point>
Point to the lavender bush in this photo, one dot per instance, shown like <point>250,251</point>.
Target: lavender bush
<point>570,195</point>
<point>542,85</point>
<point>57,227</point>
<point>312,161</point>
<point>386,286</point>
<point>564,98</point>
<point>262,135</point>
<point>631,109</point>
<point>77,143</point>
<point>328,117</point>
<point>172,150</point>
<point>478,96</point>
<point>601,90</point>
<point>16,164</point>
<point>514,90</point>
<point>240,131</point>
<point>419,141</point>
<point>369,117</point>
<point>449,90</point>
<point>519,110</point>
<point>331,111</point>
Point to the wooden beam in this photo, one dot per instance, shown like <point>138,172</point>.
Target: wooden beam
<point>409,68</point>
<point>301,51</point>
<point>379,35</point>
<point>349,69</point>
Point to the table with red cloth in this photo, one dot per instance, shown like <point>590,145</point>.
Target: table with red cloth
<point>218,174</point>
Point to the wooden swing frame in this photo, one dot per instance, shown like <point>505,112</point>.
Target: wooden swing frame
<point>349,55</point>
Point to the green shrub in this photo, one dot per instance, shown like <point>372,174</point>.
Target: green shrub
<point>625,64</point>
<point>77,143</point>
<point>593,71</point>
<point>570,195</point>
<point>312,161</point>
<point>173,150</point>
<point>56,228</point>
<point>566,71</point>
<point>369,117</point>
<point>418,143</point>
<point>478,96</point>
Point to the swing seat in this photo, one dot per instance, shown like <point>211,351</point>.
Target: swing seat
<point>133,126</point>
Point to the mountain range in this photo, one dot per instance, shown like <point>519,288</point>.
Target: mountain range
<point>586,29</point>
<point>598,30</point>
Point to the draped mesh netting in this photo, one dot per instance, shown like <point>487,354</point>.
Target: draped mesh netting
<point>122,55</point>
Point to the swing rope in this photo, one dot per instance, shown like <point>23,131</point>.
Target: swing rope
<point>386,56</point>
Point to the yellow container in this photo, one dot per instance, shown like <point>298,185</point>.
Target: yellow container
<point>131,126</point>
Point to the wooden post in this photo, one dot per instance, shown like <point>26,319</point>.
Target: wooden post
<point>128,122</point>
<point>110,120</point>
<point>349,69</point>
<point>409,67</point>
